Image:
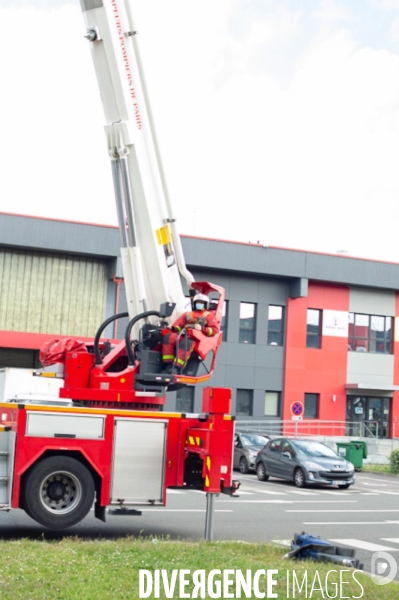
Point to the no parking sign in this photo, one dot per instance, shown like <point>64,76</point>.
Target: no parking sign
<point>296,411</point>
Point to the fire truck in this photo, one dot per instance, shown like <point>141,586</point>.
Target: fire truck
<point>114,446</point>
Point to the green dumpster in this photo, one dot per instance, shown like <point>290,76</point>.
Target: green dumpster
<point>358,452</point>
<point>343,449</point>
<point>353,451</point>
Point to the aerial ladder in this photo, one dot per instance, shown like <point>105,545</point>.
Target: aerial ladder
<point>116,446</point>
<point>151,250</point>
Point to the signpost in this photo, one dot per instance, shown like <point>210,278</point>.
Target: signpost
<point>296,415</point>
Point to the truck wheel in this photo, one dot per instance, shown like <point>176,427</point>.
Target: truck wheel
<point>58,492</point>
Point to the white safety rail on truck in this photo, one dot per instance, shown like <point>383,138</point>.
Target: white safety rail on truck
<point>21,384</point>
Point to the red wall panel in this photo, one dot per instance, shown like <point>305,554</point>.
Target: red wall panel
<point>311,370</point>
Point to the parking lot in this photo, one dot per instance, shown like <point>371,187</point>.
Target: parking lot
<point>364,517</point>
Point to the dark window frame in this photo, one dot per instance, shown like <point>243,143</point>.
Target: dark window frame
<point>248,330</point>
<point>370,342</point>
<point>311,405</point>
<point>225,321</point>
<point>314,332</point>
<point>251,402</point>
<point>276,327</point>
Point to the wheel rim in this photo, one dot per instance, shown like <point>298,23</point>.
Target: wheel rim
<point>243,465</point>
<point>60,492</point>
<point>261,471</point>
<point>299,478</point>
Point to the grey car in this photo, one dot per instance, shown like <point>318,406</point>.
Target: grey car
<point>246,448</point>
<point>305,462</point>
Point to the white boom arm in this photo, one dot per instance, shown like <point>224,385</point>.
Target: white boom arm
<point>151,249</point>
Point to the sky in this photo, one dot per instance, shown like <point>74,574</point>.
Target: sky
<point>278,120</point>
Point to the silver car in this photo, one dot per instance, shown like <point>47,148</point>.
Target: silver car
<point>304,462</point>
<point>246,448</point>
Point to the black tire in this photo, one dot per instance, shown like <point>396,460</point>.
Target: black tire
<point>299,478</point>
<point>58,492</point>
<point>261,472</point>
<point>345,486</point>
<point>243,465</point>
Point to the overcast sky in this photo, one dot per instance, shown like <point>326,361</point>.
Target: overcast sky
<point>278,119</point>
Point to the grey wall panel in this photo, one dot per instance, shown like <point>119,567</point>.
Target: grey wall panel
<point>233,321</point>
<point>373,369</point>
<point>218,379</point>
<point>269,356</point>
<point>222,353</point>
<point>272,291</point>
<point>202,254</point>
<point>244,289</point>
<point>269,379</point>
<point>372,302</point>
<point>240,377</point>
<point>216,277</point>
<point>262,320</point>
<point>241,355</point>
<point>59,236</point>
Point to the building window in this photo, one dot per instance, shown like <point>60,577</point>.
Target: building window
<point>311,406</point>
<point>313,328</point>
<point>370,333</point>
<point>272,404</point>
<point>247,323</point>
<point>213,306</point>
<point>275,332</point>
<point>185,399</point>
<point>244,402</point>
<point>223,325</point>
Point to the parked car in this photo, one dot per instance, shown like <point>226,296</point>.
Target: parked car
<point>304,462</point>
<point>246,447</point>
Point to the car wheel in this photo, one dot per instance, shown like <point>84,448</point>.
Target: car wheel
<point>244,465</point>
<point>299,478</point>
<point>58,492</point>
<point>345,486</point>
<point>261,472</point>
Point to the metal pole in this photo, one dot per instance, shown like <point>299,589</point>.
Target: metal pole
<point>209,517</point>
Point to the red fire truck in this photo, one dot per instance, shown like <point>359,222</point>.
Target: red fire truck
<point>116,446</point>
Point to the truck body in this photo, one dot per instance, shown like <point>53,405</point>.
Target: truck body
<point>55,461</point>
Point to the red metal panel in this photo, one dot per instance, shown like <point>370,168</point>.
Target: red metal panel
<point>310,370</point>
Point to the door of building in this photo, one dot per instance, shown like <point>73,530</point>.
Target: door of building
<point>368,416</point>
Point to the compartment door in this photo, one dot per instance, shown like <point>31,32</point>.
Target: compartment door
<point>139,461</point>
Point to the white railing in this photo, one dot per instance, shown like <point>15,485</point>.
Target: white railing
<point>357,429</point>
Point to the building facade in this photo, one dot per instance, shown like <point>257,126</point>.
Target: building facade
<point>299,327</point>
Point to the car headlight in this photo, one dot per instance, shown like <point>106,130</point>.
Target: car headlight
<point>253,454</point>
<point>311,465</point>
<point>350,467</point>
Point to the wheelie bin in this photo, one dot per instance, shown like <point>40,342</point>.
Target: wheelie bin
<point>358,451</point>
<point>354,451</point>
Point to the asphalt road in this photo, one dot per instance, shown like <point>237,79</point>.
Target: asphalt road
<point>364,517</point>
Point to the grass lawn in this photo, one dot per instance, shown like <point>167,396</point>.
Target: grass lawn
<point>376,468</point>
<point>81,569</point>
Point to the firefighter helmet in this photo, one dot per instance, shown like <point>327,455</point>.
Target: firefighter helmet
<point>200,302</point>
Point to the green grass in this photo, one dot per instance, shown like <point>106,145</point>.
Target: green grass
<point>81,569</point>
<point>376,468</point>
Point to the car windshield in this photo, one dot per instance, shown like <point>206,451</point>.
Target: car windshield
<point>253,440</point>
<point>314,449</point>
